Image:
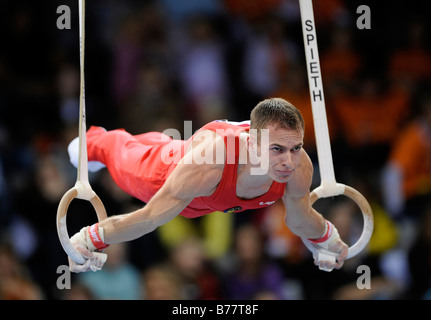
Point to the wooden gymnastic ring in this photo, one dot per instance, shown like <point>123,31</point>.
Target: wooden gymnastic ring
<point>367,214</point>
<point>61,221</point>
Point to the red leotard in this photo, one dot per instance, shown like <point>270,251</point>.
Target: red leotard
<point>141,164</point>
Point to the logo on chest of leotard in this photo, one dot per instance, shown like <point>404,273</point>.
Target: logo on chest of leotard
<point>233,209</point>
<point>266,203</point>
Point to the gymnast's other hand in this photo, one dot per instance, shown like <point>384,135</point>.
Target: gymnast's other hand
<point>86,242</point>
<point>330,245</point>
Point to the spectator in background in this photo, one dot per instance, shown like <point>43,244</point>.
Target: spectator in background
<point>253,276</point>
<point>340,61</point>
<point>68,93</point>
<point>215,230</point>
<point>161,282</point>
<point>199,281</point>
<point>251,11</point>
<point>119,280</point>
<point>202,71</point>
<point>412,61</point>
<point>268,55</point>
<point>127,51</point>
<point>143,85</point>
<point>331,12</point>
<point>77,291</point>
<point>180,11</point>
<point>361,114</point>
<point>15,280</point>
<point>406,178</point>
<point>369,119</point>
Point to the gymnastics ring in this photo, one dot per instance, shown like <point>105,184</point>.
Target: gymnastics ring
<point>329,187</point>
<point>81,192</point>
<point>82,189</point>
<point>367,214</point>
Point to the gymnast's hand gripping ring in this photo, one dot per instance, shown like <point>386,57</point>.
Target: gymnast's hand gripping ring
<point>81,192</point>
<point>361,202</point>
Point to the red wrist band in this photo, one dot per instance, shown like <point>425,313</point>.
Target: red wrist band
<point>326,236</point>
<point>93,232</point>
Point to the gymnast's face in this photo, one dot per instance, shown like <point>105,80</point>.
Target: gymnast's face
<point>283,151</point>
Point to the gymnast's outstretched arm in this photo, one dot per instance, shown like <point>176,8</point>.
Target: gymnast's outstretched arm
<point>303,220</point>
<point>187,181</point>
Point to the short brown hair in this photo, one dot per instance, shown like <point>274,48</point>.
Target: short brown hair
<point>276,111</point>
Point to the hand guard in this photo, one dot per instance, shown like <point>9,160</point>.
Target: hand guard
<point>86,242</point>
<point>330,250</point>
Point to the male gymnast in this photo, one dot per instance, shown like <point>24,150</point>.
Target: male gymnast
<point>224,166</point>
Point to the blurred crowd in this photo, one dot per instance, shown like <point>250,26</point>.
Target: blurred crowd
<point>149,66</point>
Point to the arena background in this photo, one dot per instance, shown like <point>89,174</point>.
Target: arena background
<point>150,65</point>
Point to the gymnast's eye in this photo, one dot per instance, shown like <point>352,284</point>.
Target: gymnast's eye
<point>276,149</point>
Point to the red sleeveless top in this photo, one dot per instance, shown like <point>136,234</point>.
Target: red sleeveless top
<point>224,197</point>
